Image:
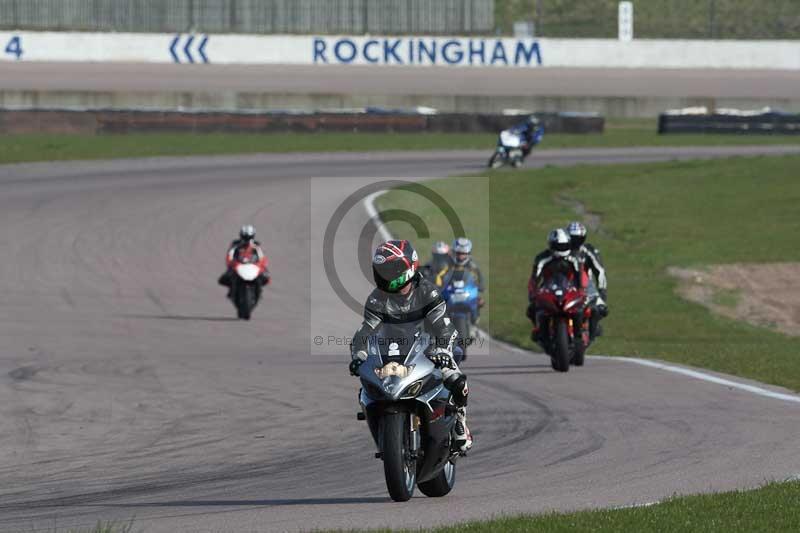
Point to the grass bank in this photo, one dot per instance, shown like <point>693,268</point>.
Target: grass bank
<point>652,216</point>
<point>620,133</point>
<point>770,509</point>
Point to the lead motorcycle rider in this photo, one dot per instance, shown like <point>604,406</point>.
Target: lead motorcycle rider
<point>589,258</point>
<point>404,296</point>
<point>247,237</point>
<point>556,258</point>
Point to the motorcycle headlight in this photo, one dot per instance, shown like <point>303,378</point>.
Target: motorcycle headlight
<point>392,369</point>
<point>413,389</point>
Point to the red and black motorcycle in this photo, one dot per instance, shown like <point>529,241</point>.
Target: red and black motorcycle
<point>563,317</point>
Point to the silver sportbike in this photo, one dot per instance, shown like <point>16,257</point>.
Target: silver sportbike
<point>409,412</point>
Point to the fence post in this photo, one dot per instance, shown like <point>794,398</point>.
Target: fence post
<point>712,16</point>
<point>538,28</point>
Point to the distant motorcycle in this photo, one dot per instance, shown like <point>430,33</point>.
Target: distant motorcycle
<point>462,297</point>
<point>509,150</point>
<point>246,287</point>
<point>560,303</point>
<point>409,412</point>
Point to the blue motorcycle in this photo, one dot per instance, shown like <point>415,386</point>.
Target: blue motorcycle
<point>461,294</point>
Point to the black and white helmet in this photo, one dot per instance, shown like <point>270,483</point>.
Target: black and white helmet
<point>533,121</point>
<point>577,234</point>
<point>247,233</point>
<point>462,248</point>
<point>559,242</point>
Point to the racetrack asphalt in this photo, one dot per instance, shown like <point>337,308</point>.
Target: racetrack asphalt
<point>370,80</point>
<point>128,390</point>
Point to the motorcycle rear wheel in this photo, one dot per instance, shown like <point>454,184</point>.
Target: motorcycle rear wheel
<point>442,484</point>
<point>400,471</point>
<point>560,359</point>
<point>580,352</point>
<point>462,326</point>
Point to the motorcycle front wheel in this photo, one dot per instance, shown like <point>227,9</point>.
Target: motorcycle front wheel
<point>496,161</point>
<point>560,358</point>
<point>399,467</point>
<point>246,301</point>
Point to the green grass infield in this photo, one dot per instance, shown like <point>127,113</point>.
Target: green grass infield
<point>652,216</point>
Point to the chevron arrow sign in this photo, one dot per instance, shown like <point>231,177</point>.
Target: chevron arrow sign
<point>189,49</point>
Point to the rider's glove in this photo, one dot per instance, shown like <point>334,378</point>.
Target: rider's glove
<point>481,301</point>
<point>442,358</point>
<point>358,359</point>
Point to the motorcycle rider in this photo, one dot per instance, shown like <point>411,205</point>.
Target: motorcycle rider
<point>556,258</point>
<point>247,239</point>
<point>462,261</point>
<point>589,258</point>
<point>531,132</point>
<point>403,295</point>
<point>440,258</point>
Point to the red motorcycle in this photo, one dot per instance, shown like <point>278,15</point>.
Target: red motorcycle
<point>560,303</point>
<point>248,264</point>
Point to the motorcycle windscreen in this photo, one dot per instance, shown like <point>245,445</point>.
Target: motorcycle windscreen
<point>395,342</point>
<point>247,272</point>
<point>509,139</point>
<point>460,286</point>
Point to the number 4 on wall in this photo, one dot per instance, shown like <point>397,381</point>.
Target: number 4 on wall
<point>14,47</point>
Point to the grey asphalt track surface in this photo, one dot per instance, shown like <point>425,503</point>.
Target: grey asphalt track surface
<point>127,389</point>
<point>371,80</point>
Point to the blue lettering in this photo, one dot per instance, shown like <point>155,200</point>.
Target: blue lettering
<point>410,51</point>
<point>367,56</point>
<point>319,49</point>
<point>429,52</point>
<point>527,53</point>
<point>477,51</point>
<point>499,53</point>
<point>14,47</point>
<point>457,57</point>
<point>353,51</point>
<point>391,50</point>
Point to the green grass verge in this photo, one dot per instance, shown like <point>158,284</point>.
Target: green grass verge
<point>653,216</point>
<point>770,509</point>
<point>619,133</point>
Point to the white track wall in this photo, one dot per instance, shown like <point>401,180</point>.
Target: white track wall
<point>415,51</point>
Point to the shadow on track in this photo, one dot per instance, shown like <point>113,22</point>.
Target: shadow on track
<point>187,318</point>
<point>254,503</point>
<point>548,370</point>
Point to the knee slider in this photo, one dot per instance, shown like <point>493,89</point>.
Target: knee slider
<point>457,385</point>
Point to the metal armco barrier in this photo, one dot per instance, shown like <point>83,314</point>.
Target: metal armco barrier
<point>110,122</point>
<point>742,124</point>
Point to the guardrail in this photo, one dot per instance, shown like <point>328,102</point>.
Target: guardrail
<point>97,122</point>
<point>735,122</point>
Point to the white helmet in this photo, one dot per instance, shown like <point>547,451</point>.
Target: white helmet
<point>440,248</point>
<point>558,242</point>
<point>462,247</point>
